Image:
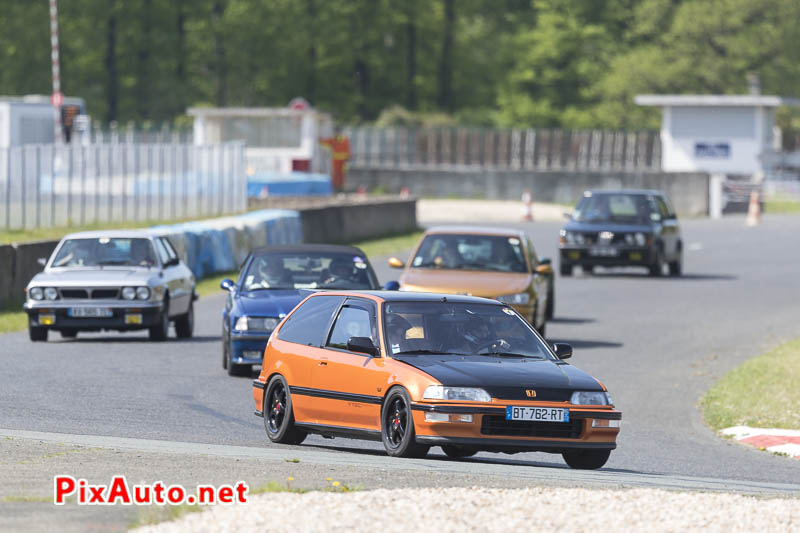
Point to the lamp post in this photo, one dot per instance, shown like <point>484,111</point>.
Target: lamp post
<point>57,97</point>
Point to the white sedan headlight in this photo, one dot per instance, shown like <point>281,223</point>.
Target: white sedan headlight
<point>459,394</point>
<point>51,293</point>
<point>249,323</point>
<point>142,293</point>
<point>129,293</point>
<point>590,398</point>
<point>36,293</point>
<point>521,298</point>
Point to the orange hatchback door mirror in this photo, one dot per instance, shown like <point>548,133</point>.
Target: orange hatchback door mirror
<point>362,345</point>
<point>396,263</point>
<point>544,269</point>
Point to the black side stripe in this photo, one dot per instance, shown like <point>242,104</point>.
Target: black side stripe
<point>259,385</point>
<point>334,395</point>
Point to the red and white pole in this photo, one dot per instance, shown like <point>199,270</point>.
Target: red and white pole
<point>57,98</point>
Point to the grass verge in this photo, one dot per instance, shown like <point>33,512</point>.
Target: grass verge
<point>782,207</point>
<point>762,392</point>
<point>12,319</point>
<point>388,245</point>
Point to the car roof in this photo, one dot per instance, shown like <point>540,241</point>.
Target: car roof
<point>329,248</point>
<point>111,234</point>
<point>476,230</point>
<point>403,296</point>
<point>625,191</point>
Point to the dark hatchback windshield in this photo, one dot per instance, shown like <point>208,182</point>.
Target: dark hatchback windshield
<point>309,270</point>
<point>418,328</point>
<point>616,208</point>
<point>471,252</point>
<point>105,251</point>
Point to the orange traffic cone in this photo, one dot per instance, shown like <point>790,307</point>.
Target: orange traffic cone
<point>404,192</point>
<point>754,209</point>
<point>527,206</point>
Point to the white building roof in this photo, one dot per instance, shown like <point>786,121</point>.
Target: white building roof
<point>713,100</point>
<point>247,111</point>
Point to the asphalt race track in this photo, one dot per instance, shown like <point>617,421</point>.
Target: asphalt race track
<point>657,344</point>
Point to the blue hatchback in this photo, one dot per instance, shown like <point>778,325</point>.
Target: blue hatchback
<point>271,283</point>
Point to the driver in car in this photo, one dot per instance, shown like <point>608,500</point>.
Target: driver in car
<point>273,274</point>
<point>339,273</point>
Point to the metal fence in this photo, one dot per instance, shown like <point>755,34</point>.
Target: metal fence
<point>65,185</point>
<point>535,149</point>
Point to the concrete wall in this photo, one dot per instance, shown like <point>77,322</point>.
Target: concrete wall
<point>688,191</point>
<point>358,222</point>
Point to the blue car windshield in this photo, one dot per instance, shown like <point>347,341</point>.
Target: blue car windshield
<point>414,328</point>
<point>309,270</point>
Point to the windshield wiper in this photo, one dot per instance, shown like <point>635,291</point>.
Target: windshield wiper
<point>114,262</point>
<point>419,352</point>
<point>510,354</point>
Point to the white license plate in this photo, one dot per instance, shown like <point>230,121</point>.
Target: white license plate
<point>603,251</point>
<point>90,312</point>
<point>537,414</point>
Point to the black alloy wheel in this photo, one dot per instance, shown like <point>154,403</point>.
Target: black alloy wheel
<point>37,334</point>
<point>278,415</point>
<point>160,331</point>
<point>397,426</point>
<point>586,459</point>
<point>184,324</point>
<point>458,452</point>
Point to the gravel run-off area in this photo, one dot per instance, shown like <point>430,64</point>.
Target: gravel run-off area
<point>501,510</point>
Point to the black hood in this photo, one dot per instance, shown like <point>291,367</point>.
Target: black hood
<point>505,378</point>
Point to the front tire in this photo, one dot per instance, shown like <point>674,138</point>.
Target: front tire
<point>549,310</point>
<point>69,333</point>
<point>160,331</point>
<point>657,267</point>
<point>565,269</point>
<point>278,414</point>
<point>397,426</point>
<point>676,267</point>
<point>586,459</point>
<point>184,324</point>
<point>457,452</point>
<point>37,334</point>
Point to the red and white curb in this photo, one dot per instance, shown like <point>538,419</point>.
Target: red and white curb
<point>783,441</point>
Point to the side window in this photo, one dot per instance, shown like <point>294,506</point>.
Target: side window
<point>662,208</point>
<point>168,247</point>
<point>353,321</point>
<point>163,255</point>
<point>309,324</point>
<point>532,254</point>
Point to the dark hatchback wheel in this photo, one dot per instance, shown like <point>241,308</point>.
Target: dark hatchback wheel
<point>69,333</point>
<point>458,452</point>
<point>676,267</point>
<point>278,414</point>
<point>565,269</point>
<point>160,331</point>
<point>397,426</point>
<point>586,459</point>
<point>184,324</point>
<point>37,334</point>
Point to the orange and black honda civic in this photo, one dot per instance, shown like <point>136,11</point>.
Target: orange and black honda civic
<point>416,370</point>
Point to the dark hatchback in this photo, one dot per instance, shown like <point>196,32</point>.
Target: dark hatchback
<point>272,281</point>
<point>623,228</point>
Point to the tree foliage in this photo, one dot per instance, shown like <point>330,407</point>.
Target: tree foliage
<point>560,63</point>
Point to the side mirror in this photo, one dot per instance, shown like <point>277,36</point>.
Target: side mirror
<point>42,261</point>
<point>396,263</point>
<point>362,345</point>
<point>546,270</point>
<point>226,284</point>
<point>392,286</point>
<point>563,350</point>
<point>545,261</point>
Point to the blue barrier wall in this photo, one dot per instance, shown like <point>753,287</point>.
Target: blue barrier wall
<point>220,245</point>
<point>264,184</point>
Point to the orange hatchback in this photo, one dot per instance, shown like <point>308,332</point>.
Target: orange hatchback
<point>416,370</point>
<point>498,263</point>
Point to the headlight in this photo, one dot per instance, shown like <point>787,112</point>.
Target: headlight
<point>640,238</point>
<point>440,392</point>
<point>629,239</point>
<point>36,293</point>
<point>519,299</point>
<point>129,293</point>
<point>51,293</point>
<point>245,323</point>
<point>143,293</point>
<point>590,398</point>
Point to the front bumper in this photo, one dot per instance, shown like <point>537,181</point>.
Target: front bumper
<point>488,435</point>
<point>247,347</point>
<point>615,255</point>
<point>125,316</point>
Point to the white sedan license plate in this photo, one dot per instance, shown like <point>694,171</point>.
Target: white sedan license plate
<point>90,312</point>
<point>603,251</point>
<point>537,414</point>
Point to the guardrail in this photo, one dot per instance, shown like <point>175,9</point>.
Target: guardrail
<point>62,185</point>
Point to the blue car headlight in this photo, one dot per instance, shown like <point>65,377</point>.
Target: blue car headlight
<point>252,323</point>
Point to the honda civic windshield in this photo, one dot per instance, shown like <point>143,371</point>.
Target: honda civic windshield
<point>416,328</point>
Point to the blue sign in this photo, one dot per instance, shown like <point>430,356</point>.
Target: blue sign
<point>712,150</point>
